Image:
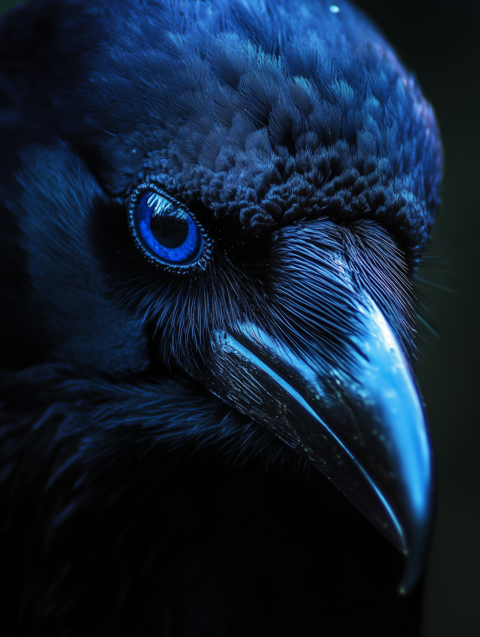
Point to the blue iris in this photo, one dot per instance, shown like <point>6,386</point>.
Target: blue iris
<point>167,231</point>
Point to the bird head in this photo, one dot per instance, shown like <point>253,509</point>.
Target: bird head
<point>214,213</point>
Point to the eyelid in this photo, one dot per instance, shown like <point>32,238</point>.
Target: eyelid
<point>178,209</point>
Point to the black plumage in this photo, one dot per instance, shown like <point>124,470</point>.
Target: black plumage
<point>135,500</point>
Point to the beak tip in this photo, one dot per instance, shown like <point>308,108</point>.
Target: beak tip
<point>416,556</point>
<point>411,574</point>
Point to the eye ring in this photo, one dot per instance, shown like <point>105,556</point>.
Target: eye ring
<point>139,220</point>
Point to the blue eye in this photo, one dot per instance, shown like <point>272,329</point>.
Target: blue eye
<point>166,231</point>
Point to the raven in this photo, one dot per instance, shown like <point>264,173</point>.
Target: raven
<point>212,216</point>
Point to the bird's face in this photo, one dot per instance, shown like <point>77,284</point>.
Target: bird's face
<point>246,223</point>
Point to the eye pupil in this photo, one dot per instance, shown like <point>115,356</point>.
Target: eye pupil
<point>171,232</point>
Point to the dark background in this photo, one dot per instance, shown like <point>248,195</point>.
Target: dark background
<point>440,41</point>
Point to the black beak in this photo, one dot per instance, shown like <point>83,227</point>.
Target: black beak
<point>363,428</point>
